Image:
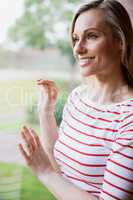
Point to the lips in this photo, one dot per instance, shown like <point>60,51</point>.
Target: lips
<point>83,62</point>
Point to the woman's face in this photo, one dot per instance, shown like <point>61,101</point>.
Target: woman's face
<point>95,48</point>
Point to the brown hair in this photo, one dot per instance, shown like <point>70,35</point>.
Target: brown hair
<point>117,17</point>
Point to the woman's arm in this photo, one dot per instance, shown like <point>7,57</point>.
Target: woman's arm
<point>38,161</point>
<point>49,135</point>
<point>49,131</point>
<point>62,189</point>
<point>46,108</point>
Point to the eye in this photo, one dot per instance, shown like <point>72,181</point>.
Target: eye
<point>75,39</point>
<point>92,36</point>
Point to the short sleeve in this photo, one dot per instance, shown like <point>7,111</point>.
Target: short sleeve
<point>118,177</point>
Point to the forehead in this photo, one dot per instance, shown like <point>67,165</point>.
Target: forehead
<point>92,19</point>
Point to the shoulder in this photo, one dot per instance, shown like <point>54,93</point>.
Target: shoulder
<point>76,92</point>
<point>72,97</point>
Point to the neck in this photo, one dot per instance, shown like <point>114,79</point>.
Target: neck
<point>108,88</point>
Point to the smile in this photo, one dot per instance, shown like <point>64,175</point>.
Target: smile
<point>85,61</point>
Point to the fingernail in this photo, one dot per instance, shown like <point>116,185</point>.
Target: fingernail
<point>24,128</point>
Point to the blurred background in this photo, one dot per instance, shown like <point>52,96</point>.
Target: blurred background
<point>34,44</point>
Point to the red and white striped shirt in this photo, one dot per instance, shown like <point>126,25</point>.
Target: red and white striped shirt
<point>95,146</point>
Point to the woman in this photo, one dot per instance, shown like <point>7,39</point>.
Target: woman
<point>93,154</point>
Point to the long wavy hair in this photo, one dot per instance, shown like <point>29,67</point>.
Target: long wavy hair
<point>116,16</point>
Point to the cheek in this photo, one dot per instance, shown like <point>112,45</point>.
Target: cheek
<point>98,48</point>
<point>108,48</point>
<point>105,52</point>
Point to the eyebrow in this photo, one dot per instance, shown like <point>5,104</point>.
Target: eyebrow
<point>90,29</point>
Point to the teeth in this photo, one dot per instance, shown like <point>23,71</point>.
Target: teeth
<point>87,58</point>
<point>83,60</point>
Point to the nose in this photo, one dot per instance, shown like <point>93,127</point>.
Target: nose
<point>80,48</point>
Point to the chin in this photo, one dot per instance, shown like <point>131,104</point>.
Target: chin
<point>86,73</point>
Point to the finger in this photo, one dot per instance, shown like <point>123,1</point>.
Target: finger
<point>44,87</point>
<point>50,89</point>
<point>24,154</point>
<point>29,146</point>
<point>45,82</point>
<point>29,140</point>
<point>36,138</point>
<point>53,92</point>
<point>32,132</point>
<point>38,141</point>
<point>28,134</point>
<point>39,79</point>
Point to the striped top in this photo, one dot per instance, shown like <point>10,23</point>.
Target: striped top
<point>95,146</point>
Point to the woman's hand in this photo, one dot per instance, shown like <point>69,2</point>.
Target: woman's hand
<point>38,161</point>
<point>48,96</point>
<point>34,155</point>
